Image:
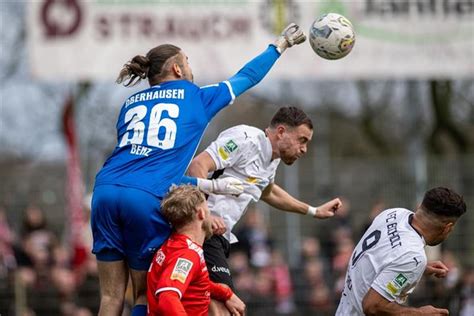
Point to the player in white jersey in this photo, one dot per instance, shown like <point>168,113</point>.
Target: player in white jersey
<point>390,259</point>
<point>253,155</point>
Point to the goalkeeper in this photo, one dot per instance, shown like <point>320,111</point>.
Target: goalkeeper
<point>158,132</point>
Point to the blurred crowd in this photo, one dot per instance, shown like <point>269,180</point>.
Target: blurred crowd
<point>41,275</point>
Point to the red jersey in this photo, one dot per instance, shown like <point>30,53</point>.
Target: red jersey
<point>179,266</point>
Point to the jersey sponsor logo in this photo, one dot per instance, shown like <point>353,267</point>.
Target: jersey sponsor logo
<point>349,282</point>
<point>256,165</point>
<point>231,146</point>
<point>220,269</point>
<point>416,261</point>
<point>224,153</point>
<point>395,286</point>
<point>392,288</point>
<point>196,248</point>
<point>401,279</point>
<point>252,180</point>
<point>160,257</point>
<point>181,270</point>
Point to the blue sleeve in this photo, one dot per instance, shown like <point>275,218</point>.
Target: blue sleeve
<point>217,96</point>
<point>189,180</point>
<point>254,71</point>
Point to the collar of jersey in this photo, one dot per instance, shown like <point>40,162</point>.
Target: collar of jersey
<point>267,151</point>
<point>182,237</point>
<point>410,218</point>
<point>168,82</point>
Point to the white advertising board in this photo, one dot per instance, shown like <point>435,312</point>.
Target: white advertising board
<point>82,40</point>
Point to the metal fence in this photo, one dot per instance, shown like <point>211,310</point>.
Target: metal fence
<point>364,184</point>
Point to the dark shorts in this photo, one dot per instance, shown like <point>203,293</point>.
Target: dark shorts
<point>127,225</point>
<point>216,252</point>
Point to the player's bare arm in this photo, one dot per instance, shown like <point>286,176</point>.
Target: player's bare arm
<point>222,293</point>
<point>201,165</point>
<point>277,197</point>
<point>376,304</point>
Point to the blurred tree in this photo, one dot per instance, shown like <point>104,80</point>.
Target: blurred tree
<point>444,125</point>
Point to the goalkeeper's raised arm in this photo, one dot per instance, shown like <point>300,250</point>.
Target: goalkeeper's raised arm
<point>254,71</point>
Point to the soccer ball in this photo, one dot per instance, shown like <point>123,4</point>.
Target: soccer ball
<point>332,36</point>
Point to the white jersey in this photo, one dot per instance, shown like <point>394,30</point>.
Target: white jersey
<point>390,258</point>
<point>244,152</point>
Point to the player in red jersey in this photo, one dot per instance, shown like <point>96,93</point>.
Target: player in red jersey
<point>178,281</point>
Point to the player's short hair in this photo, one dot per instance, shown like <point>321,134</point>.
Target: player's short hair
<point>291,116</point>
<point>179,205</point>
<point>152,66</point>
<point>443,202</point>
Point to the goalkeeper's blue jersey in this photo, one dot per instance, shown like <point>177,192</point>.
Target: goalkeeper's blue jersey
<point>159,129</point>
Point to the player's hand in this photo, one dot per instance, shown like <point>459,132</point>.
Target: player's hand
<point>218,225</point>
<point>431,310</point>
<point>436,268</point>
<point>235,305</point>
<point>291,35</point>
<point>328,209</point>
<point>228,186</point>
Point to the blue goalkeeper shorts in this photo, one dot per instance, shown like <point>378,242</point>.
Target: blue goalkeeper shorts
<point>127,225</point>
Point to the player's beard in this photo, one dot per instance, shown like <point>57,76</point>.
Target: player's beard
<point>288,158</point>
<point>207,228</point>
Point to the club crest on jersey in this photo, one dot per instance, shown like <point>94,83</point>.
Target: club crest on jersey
<point>181,270</point>
<point>397,284</point>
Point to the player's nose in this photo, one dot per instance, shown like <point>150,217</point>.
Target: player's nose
<point>304,149</point>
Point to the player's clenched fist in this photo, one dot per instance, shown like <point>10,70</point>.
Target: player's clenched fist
<point>328,209</point>
<point>436,268</point>
<point>291,35</point>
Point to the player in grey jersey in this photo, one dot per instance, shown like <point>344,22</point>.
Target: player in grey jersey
<point>252,156</point>
<point>390,259</point>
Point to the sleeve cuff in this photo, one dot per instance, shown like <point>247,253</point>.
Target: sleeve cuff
<point>215,159</point>
<point>382,292</point>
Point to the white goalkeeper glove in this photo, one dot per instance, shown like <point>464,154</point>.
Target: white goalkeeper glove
<point>228,186</point>
<point>291,35</point>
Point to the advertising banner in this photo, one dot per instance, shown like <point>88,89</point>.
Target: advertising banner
<point>81,40</point>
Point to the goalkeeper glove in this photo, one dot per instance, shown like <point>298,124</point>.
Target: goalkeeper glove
<point>228,186</point>
<point>291,35</point>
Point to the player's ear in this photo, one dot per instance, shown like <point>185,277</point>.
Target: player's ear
<point>448,227</point>
<point>200,213</point>
<point>177,70</point>
<point>281,129</point>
